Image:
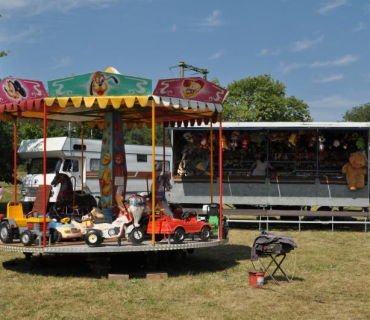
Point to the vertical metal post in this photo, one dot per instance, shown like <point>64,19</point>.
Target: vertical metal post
<point>182,67</point>
<point>153,172</point>
<point>44,194</point>
<point>211,142</point>
<point>82,158</point>
<point>220,172</point>
<point>15,161</point>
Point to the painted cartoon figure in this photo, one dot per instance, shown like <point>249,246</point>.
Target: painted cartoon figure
<point>15,90</point>
<point>119,171</point>
<point>99,83</point>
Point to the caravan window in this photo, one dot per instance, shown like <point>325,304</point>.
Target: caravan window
<point>37,166</point>
<point>70,165</point>
<point>159,166</point>
<point>142,158</point>
<point>94,164</point>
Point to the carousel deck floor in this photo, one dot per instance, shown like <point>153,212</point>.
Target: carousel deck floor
<point>111,246</point>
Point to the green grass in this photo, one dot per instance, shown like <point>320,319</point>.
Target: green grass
<point>330,282</point>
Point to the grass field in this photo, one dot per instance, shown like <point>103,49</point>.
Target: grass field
<point>331,281</point>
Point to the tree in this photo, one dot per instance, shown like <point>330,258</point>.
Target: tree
<point>262,98</point>
<point>358,114</point>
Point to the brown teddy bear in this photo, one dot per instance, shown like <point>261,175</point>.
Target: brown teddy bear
<point>355,171</point>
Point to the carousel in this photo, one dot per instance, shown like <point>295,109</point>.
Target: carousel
<point>109,101</point>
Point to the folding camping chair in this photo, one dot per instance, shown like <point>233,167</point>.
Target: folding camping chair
<point>275,248</point>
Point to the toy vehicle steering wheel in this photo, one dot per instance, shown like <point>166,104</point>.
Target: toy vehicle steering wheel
<point>65,220</point>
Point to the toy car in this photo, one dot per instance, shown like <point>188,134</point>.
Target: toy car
<point>180,228</point>
<point>64,230</point>
<point>26,228</point>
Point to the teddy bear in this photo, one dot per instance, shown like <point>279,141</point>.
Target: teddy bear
<point>355,171</point>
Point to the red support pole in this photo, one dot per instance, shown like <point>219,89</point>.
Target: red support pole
<point>15,160</point>
<point>164,156</point>
<point>220,173</point>
<point>44,195</point>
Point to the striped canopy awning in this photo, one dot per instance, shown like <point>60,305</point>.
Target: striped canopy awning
<point>134,109</point>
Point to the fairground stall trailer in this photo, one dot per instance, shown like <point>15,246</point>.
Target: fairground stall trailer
<point>304,168</point>
<point>64,155</point>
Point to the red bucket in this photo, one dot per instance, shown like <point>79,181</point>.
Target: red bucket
<point>256,278</point>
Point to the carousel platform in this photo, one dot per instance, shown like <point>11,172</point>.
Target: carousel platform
<point>111,246</point>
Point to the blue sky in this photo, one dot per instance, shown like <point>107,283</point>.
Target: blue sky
<point>319,49</point>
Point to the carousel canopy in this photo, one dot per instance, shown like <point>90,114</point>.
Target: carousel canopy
<point>88,97</point>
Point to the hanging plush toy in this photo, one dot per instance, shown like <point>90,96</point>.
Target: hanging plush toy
<point>321,145</point>
<point>293,139</point>
<point>224,144</point>
<point>235,136</point>
<point>245,142</point>
<point>355,171</point>
<point>203,143</point>
<point>360,143</point>
<point>311,141</point>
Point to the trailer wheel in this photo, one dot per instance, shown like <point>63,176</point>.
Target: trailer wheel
<point>136,236</point>
<point>6,234</point>
<point>27,238</point>
<point>205,233</point>
<point>93,238</point>
<point>179,235</point>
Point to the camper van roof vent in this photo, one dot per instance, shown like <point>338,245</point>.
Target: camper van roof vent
<point>78,147</point>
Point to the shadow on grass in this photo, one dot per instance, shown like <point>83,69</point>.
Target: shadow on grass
<point>175,263</point>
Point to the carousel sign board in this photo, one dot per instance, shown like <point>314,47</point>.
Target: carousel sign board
<point>14,90</point>
<point>194,88</point>
<point>99,84</point>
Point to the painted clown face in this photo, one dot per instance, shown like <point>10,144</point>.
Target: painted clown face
<point>106,159</point>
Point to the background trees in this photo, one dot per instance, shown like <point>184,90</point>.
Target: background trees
<point>358,114</point>
<point>262,98</point>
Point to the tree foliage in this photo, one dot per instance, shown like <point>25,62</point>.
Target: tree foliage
<point>358,114</point>
<point>262,98</point>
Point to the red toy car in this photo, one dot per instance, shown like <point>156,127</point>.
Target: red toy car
<point>180,228</point>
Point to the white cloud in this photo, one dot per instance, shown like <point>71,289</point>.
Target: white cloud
<point>333,102</point>
<point>360,26</point>
<point>216,55</point>
<point>328,6</point>
<point>339,62</point>
<point>286,68</point>
<point>62,62</point>
<point>26,36</point>
<point>331,78</point>
<point>36,7</point>
<point>305,44</point>
<point>212,20</point>
<point>267,52</point>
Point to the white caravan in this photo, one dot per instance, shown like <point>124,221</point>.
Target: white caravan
<point>64,155</point>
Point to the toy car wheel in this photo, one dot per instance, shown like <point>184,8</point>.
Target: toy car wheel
<point>93,238</point>
<point>53,235</point>
<point>179,235</point>
<point>205,233</point>
<point>6,234</point>
<point>136,235</point>
<point>27,238</point>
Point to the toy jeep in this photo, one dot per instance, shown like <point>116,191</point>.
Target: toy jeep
<point>17,226</point>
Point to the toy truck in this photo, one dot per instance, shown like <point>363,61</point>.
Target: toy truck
<point>27,227</point>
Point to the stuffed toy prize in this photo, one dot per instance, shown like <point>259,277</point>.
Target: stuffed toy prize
<point>355,171</point>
